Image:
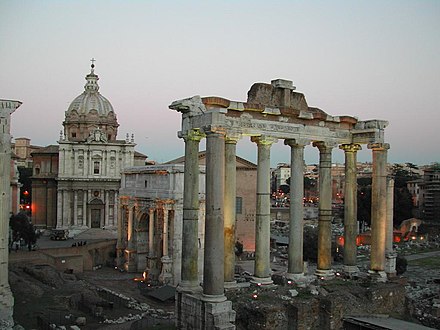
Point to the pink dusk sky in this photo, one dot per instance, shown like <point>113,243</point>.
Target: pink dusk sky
<point>368,59</point>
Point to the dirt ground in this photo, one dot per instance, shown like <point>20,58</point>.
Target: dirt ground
<point>60,298</point>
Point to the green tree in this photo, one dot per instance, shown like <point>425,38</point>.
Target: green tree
<point>22,228</point>
<point>364,200</point>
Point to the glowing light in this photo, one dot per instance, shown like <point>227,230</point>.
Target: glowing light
<point>259,284</point>
<point>289,282</point>
<point>255,296</point>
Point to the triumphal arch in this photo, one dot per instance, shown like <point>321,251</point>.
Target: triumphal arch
<point>272,112</point>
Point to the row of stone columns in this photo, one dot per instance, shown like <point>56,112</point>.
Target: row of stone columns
<point>220,211</point>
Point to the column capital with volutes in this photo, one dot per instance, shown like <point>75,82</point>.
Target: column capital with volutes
<point>264,140</point>
<point>193,135</point>
<point>350,147</point>
<point>232,137</point>
<point>324,146</point>
<point>378,146</point>
<point>298,143</point>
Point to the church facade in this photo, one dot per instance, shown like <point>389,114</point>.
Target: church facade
<point>90,162</point>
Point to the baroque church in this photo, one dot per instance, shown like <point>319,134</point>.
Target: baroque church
<point>83,173</point>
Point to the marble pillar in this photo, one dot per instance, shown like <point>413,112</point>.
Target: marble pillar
<point>119,243</point>
<point>213,264</point>
<point>390,255</point>
<point>378,209</point>
<point>75,208</point>
<point>350,208</point>
<point>130,228</point>
<point>59,208</point>
<point>7,107</point>
<point>262,270</point>
<point>229,218</point>
<point>166,275</point>
<point>84,206</point>
<point>151,232</point>
<point>107,208</point>
<point>295,269</point>
<point>325,211</point>
<point>190,248</point>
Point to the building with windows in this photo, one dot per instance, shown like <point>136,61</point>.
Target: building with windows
<point>85,170</point>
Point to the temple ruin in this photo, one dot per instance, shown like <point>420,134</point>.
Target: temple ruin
<point>272,112</point>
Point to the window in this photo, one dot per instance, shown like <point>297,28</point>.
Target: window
<point>74,135</point>
<point>146,183</point>
<point>238,205</point>
<point>96,167</point>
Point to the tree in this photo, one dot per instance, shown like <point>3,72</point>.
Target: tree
<point>364,200</point>
<point>22,228</point>
<point>403,204</point>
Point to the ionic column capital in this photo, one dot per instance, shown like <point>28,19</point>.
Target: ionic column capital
<point>324,146</point>
<point>193,135</point>
<point>297,143</point>
<point>378,146</point>
<point>351,147</point>
<point>264,140</point>
<point>232,138</point>
<point>214,130</point>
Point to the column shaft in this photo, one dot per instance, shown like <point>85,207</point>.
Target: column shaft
<point>75,207</point>
<point>262,270</point>
<point>165,232</point>
<point>230,197</point>
<point>378,206</point>
<point>213,271</point>
<point>390,211</point>
<point>350,204</point>
<point>84,213</point>
<point>190,212</point>
<point>296,221</point>
<point>325,210</point>
<point>151,232</point>
<point>130,228</point>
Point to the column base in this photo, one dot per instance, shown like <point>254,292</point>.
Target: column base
<point>390,264</point>
<point>350,270</point>
<point>297,278</point>
<point>377,276</point>
<point>261,281</point>
<point>213,298</point>
<point>325,274</point>
<point>166,275</point>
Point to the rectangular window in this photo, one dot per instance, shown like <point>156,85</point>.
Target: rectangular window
<point>95,167</point>
<point>146,184</point>
<point>239,205</point>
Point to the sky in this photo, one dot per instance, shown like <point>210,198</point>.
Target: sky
<point>367,59</point>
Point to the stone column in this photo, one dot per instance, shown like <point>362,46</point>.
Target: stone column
<point>390,255</point>
<point>66,201</point>
<point>378,210</point>
<point>59,208</point>
<point>107,207</point>
<point>229,218</point>
<point>6,298</point>
<point>325,210</point>
<point>119,243</point>
<point>189,280</point>
<point>350,208</point>
<point>115,208</point>
<point>295,270</point>
<point>84,214</point>
<point>89,216</point>
<point>75,207</point>
<point>130,229</point>
<point>166,272</point>
<point>151,232</point>
<point>213,265</point>
<point>262,270</point>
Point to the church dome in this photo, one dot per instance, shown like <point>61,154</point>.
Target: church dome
<point>90,111</point>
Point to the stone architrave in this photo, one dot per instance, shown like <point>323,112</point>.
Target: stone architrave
<point>7,107</point>
<point>295,269</point>
<point>190,282</point>
<point>325,210</point>
<point>350,208</point>
<point>378,210</point>
<point>230,199</point>
<point>262,270</point>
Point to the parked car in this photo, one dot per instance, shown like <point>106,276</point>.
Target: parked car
<point>59,234</point>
